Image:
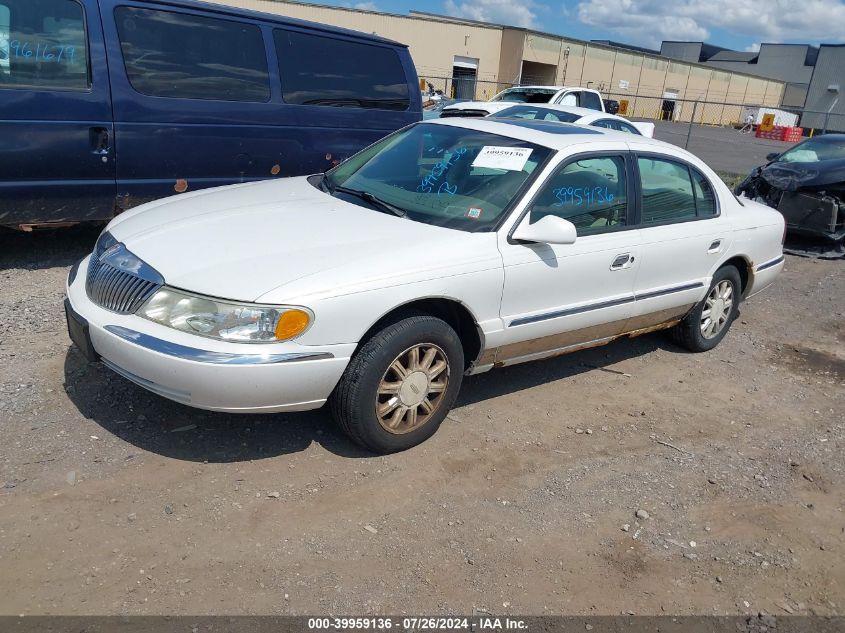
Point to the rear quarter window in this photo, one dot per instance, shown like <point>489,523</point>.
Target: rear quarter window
<point>43,45</point>
<point>177,55</point>
<point>326,71</point>
<point>591,100</point>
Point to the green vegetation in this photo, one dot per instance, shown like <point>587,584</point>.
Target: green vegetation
<point>730,179</point>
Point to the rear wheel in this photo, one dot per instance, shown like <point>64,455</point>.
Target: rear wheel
<point>709,321</point>
<point>400,385</point>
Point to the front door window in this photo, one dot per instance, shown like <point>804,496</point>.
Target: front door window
<point>590,192</point>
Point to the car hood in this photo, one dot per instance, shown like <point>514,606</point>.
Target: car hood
<point>244,241</point>
<point>792,176</point>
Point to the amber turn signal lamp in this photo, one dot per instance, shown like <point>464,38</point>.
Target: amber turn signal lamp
<point>291,323</point>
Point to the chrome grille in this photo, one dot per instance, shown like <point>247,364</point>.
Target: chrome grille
<point>117,280</point>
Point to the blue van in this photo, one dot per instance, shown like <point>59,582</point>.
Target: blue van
<point>106,104</point>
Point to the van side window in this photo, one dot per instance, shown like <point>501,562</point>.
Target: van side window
<point>176,55</point>
<point>43,45</point>
<point>318,70</point>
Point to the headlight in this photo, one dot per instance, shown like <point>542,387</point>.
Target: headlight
<point>225,320</point>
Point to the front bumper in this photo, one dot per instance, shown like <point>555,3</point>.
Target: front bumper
<point>205,373</point>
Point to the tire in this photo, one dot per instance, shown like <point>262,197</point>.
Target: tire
<point>691,332</point>
<point>372,381</point>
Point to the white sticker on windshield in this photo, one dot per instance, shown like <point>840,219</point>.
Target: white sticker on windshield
<point>510,158</point>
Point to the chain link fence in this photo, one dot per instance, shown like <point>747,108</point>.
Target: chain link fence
<point>731,137</point>
<point>465,88</point>
<point>714,113</point>
<point>655,107</point>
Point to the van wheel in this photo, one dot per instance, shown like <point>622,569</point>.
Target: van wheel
<point>709,321</point>
<point>400,385</point>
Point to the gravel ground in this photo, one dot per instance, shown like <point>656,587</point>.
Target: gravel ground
<point>634,478</point>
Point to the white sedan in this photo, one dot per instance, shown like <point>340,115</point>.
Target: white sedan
<point>445,249</point>
<point>579,116</point>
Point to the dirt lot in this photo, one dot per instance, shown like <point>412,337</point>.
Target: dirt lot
<point>116,501</point>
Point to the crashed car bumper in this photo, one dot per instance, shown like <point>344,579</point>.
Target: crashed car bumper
<point>812,213</point>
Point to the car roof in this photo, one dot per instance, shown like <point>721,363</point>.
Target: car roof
<point>553,134</point>
<point>576,110</point>
<point>534,87</point>
<point>589,114</point>
<point>828,138</point>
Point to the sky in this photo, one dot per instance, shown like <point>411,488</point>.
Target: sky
<point>737,24</point>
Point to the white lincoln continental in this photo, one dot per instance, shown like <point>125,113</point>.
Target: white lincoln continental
<point>447,248</point>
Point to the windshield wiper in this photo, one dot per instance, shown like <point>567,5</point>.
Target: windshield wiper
<point>324,183</point>
<point>366,196</point>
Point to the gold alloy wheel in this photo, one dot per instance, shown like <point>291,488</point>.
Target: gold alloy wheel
<point>412,388</point>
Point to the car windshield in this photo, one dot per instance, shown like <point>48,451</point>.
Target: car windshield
<point>535,112</point>
<point>439,174</point>
<point>526,95</point>
<point>814,150</point>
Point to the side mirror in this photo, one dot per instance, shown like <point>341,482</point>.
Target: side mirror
<point>772,156</point>
<point>547,230</point>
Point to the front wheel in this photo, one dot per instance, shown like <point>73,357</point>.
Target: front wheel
<point>709,321</point>
<point>400,385</point>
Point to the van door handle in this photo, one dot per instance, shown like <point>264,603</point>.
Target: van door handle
<point>715,246</point>
<point>622,261</point>
<point>99,139</point>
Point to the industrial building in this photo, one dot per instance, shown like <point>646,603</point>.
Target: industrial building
<point>813,76</point>
<point>792,64</point>
<point>469,59</point>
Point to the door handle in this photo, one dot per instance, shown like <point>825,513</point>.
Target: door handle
<point>99,139</point>
<point>715,246</point>
<point>622,261</point>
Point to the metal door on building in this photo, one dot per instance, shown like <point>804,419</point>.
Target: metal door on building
<point>464,77</point>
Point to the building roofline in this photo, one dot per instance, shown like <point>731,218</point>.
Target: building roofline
<point>227,9</point>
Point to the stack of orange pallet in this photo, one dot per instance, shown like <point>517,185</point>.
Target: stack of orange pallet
<point>781,133</point>
<point>792,134</point>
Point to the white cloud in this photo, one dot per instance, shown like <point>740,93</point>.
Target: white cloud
<point>753,48</point>
<point>499,11</point>
<point>367,6</point>
<point>650,21</point>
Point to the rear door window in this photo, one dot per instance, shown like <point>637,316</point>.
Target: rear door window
<point>177,55</point>
<point>674,192</point>
<point>627,127</point>
<point>43,45</point>
<point>326,71</point>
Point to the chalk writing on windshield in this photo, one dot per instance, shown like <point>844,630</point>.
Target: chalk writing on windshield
<point>42,52</point>
<point>440,168</point>
<point>447,188</point>
<point>578,196</point>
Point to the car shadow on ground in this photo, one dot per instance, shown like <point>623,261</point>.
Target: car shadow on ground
<point>166,428</point>
<point>46,248</point>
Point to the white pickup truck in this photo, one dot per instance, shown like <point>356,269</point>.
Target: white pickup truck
<point>560,95</point>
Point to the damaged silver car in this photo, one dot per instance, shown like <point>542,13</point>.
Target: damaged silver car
<point>806,183</point>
